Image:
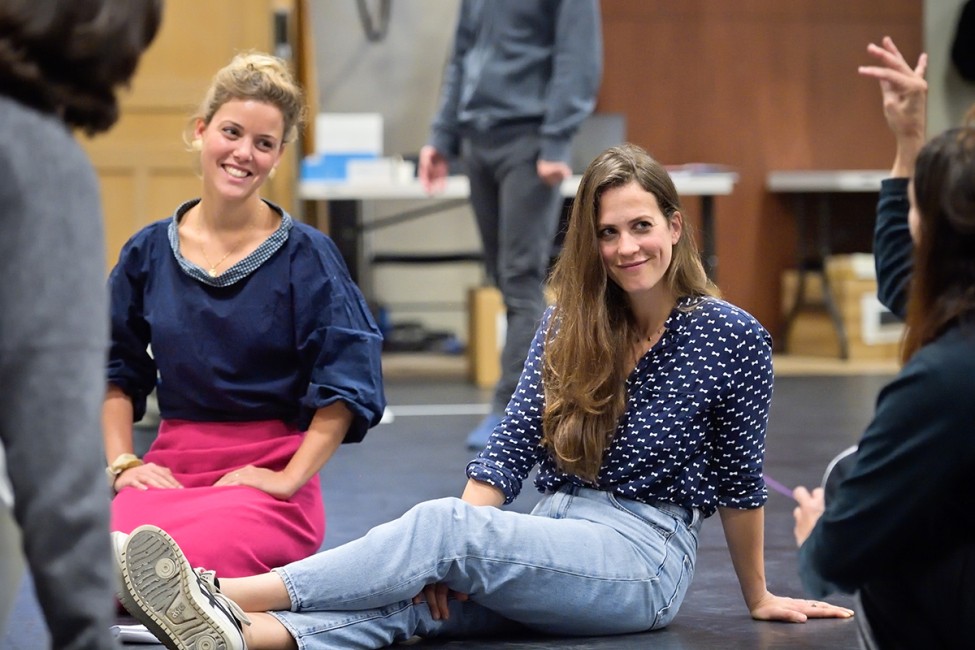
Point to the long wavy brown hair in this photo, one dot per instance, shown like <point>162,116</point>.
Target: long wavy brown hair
<point>592,327</point>
<point>942,287</point>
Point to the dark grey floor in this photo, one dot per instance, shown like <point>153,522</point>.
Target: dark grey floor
<point>420,456</point>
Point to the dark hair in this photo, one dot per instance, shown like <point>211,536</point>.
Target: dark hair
<point>69,57</point>
<point>943,284</point>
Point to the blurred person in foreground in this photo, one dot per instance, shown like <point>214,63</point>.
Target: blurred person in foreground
<point>61,64</point>
<point>896,529</point>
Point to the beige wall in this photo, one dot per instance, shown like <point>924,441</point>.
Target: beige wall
<point>399,77</point>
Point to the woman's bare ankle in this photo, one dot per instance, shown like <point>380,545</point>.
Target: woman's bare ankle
<point>267,633</point>
<point>261,593</point>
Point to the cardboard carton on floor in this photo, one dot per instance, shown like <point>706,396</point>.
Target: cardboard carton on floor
<point>872,331</point>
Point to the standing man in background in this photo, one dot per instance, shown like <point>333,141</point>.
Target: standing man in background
<point>522,77</point>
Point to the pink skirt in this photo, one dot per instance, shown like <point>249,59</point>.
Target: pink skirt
<point>236,531</point>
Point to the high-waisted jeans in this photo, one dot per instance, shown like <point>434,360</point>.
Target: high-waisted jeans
<point>584,562</point>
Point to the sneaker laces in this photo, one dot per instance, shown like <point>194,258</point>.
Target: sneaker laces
<point>208,583</point>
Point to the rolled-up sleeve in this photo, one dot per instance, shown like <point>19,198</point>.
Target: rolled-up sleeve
<point>339,343</point>
<point>130,365</point>
<point>742,417</point>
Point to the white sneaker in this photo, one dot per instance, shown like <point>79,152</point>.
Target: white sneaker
<point>118,545</point>
<point>180,605</point>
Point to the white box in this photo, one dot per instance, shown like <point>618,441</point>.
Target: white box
<point>349,133</point>
<point>878,325</point>
<point>380,170</point>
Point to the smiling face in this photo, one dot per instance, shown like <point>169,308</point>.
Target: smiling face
<point>240,146</point>
<point>636,240</point>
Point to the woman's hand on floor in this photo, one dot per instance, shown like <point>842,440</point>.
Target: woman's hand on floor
<point>796,610</point>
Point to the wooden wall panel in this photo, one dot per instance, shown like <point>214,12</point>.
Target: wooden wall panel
<point>118,198</point>
<point>758,85</point>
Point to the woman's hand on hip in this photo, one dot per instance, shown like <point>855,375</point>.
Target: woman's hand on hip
<point>277,484</point>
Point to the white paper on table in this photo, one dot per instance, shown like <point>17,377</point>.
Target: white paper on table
<point>134,634</point>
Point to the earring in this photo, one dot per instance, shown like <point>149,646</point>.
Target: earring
<point>274,170</point>
<point>196,144</point>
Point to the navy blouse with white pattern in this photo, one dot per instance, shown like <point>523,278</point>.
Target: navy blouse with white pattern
<point>693,433</point>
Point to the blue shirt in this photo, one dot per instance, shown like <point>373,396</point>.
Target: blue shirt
<point>694,428</point>
<point>517,62</point>
<point>279,335</point>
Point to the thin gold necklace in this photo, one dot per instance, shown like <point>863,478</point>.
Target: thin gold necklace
<point>657,332</point>
<point>212,268</point>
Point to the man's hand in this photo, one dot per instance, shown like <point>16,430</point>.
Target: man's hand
<point>432,170</point>
<point>553,172</point>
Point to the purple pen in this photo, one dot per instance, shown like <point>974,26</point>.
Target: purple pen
<point>778,487</point>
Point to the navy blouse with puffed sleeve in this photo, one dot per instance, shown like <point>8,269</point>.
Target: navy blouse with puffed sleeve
<point>279,335</point>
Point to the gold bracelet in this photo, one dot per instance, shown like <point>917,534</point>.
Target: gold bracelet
<point>119,465</point>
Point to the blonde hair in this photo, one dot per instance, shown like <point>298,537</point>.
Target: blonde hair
<point>259,77</point>
<point>585,366</point>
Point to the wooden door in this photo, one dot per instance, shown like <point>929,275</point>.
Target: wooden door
<point>143,164</point>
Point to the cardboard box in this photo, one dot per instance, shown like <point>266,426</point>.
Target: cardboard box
<point>486,329</point>
<point>872,331</point>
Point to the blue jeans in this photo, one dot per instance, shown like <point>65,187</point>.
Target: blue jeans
<point>584,562</point>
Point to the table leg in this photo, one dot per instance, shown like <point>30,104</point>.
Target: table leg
<point>799,300</point>
<point>709,254</point>
<point>345,229</point>
<point>825,250</point>
<point>814,261</point>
